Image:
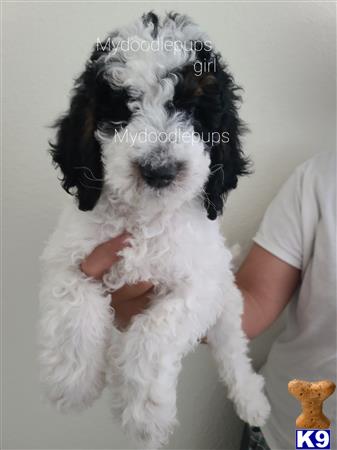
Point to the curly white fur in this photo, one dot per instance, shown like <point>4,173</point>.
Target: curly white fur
<point>190,265</point>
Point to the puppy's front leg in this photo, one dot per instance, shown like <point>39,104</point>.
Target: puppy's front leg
<point>146,360</point>
<point>230,349</point>
<point>74,330</point>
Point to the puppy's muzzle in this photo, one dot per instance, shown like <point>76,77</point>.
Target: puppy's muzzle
<point>159,177</point>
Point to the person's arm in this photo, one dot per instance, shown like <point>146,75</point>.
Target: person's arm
<point>267,284</point>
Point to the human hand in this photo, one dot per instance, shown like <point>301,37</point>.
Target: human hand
<point>127,301</point>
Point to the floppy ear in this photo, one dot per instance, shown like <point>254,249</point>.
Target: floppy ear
<point>227,159</point>
<point>76,150</point>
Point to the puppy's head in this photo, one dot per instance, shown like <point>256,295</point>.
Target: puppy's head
<point>152,120</point>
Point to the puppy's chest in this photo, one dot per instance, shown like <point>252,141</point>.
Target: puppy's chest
<point>166,257</point>
<point>160,256</point>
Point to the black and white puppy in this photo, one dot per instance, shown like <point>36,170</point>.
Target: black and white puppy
<point>151,145</point>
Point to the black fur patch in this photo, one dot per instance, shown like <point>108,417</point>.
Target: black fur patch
<point>94,104</point>
<point>151,17</point>
<point>211,99</point>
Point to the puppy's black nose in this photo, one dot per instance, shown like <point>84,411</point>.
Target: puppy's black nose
<point>158,177</point>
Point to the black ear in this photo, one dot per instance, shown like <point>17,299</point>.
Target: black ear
<point>227,159</point>
<point>76,150</point>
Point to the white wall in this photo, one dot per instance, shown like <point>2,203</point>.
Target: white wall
<point>284,56</point>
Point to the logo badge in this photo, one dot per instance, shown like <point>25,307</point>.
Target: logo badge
<point>312,425</point>
<point>312,439</point>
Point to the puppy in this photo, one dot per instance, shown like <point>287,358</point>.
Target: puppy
<point>151,145</point>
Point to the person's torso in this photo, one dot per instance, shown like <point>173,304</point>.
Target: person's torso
<point>306,349</point>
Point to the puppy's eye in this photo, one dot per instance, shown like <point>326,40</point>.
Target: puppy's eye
<point>185,104</point>
<point>112,110</point>
<point>112,126</point>
<point>170,107</point>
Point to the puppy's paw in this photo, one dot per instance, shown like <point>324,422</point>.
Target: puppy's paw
<point>251,403</point>
<point>74,393</point>
<point>148,418</point>
<point>149,423</point>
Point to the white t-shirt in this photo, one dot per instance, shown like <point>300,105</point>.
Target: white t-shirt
<point>299,227</point>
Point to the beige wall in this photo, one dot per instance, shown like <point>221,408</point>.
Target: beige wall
<point>284,56</point>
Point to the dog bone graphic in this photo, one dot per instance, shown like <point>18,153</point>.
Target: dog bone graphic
<point>311,395</point>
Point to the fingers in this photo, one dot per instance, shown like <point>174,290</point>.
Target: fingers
<point>130,292</point>
<point>117,243</point>
<point>104,256</point>
<point>127,301</point>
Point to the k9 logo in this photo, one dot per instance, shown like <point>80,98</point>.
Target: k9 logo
<point>315,439</point>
